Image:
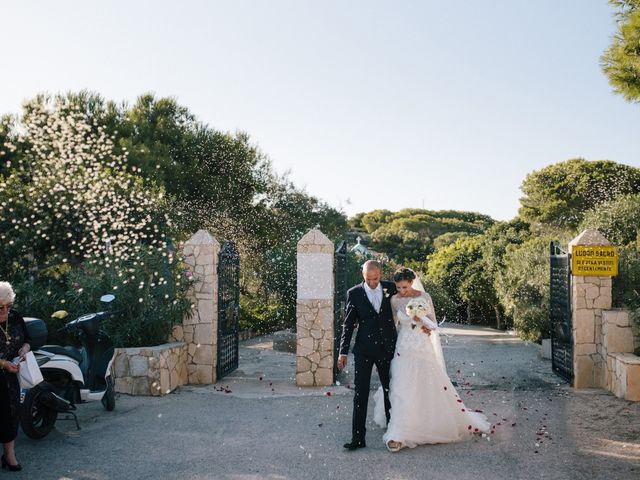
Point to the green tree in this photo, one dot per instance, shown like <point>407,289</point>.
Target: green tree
<point>409,235</point>
<point>559,195</point>
<point>70,199</point>
<point>449,268</point>
<point>621,61</point>
<point>214,177</point>
<point>618,220</point>
<point>523,287</point>
<point>75,222</point>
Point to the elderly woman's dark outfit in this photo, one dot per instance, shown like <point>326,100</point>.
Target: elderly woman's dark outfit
<point>9,387</point>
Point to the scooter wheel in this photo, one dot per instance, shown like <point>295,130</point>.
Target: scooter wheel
<point>109,397</point>
<point>36,419</point>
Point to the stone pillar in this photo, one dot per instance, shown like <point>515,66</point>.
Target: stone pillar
<point>314,311</point>
<point>200,331</point>
<point>589,297</point>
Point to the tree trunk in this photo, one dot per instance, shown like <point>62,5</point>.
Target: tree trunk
<point>498,318</point>
<point>468,313</point>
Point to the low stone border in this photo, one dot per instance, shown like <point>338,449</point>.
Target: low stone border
<point>150,370</point>
<point>624,375</point>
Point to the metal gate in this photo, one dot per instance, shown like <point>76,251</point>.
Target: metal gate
<point>560,312</point>
<point>228,308</point>
<point>339,300</point>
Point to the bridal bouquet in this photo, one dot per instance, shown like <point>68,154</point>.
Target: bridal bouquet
<point>419,307</point>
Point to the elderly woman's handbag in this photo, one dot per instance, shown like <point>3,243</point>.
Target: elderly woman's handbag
<point>29,374</point>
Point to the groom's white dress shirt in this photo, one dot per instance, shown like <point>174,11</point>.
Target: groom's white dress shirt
<point>375,296</point>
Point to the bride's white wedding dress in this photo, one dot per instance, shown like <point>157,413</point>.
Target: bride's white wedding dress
<point>425,407</point>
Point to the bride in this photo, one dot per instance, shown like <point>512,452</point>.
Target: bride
<point>425,407</point>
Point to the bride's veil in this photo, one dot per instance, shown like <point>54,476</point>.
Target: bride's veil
<point>435,336</point>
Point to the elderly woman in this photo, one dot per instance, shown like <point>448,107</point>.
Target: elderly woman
<point>14,342</point>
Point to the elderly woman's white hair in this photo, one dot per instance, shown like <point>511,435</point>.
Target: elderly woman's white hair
<point>6,292</point>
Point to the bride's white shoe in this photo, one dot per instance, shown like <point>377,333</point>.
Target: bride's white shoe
<point>398,446</point>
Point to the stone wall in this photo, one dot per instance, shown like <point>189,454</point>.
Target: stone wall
<point>192,357</point>
<point>603,339</point>
<point>623,367</point>
<point>314,311</point>
<point>150,370</point>
<point>200,331</point>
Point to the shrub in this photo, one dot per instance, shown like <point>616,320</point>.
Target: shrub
<point>523,287</point>
<point>151,297</point>
<point>264,316</point>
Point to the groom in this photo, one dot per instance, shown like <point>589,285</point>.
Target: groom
<point>368,308</point>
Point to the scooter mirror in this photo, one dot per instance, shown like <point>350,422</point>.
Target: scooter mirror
<point>108,298</point>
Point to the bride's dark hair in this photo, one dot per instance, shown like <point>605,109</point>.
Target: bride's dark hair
<point>404,274</point>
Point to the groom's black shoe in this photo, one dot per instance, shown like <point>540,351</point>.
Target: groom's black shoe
<point>354,445</point>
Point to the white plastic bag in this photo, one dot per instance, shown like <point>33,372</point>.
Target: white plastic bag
<point>29,374</point>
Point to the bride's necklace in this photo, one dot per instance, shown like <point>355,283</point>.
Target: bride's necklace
<point>5,331</point>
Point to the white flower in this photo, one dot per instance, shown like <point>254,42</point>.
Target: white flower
<point>417,307</point>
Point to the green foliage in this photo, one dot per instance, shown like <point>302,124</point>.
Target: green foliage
<point>69,198</point>
<point>372,221</point>
<point>270,251</point>
<point>561,194</point>
<point>626,291</point>
<point>618,220</point>
<point>621,61</point>
<point>264,317</point>
<point>626,286</point>
<point>197,177</point>
<point>151,297</point>
<point>169,145</point>
<point>460,270</point>
<point>409,235</point>
<point>447,239</point>
<point>446,308</point>
<point>523,287</point>
<point>74,219</point>
<point>448,266</point>
<point>354,269</point>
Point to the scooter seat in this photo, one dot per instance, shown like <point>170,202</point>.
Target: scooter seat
<point>68,351</point>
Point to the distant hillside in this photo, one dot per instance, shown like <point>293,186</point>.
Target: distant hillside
<point>413,234</point>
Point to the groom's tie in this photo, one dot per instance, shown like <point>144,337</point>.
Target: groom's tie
<point>377,300</point>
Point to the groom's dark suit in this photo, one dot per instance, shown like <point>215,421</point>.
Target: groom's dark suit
<point>374,345</point>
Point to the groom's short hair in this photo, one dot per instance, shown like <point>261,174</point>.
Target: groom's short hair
<point>371,265</point>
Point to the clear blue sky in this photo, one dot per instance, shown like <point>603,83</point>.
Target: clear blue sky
<point>370,104</point>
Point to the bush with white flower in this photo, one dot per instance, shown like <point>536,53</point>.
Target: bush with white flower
<point>73,216</point>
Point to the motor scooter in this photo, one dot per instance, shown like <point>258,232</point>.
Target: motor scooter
<point>71,375</point>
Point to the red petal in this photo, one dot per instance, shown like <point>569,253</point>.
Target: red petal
<point>462,409</point>
<point>328,394</point>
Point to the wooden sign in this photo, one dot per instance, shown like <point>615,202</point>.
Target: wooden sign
<point>594,261</point>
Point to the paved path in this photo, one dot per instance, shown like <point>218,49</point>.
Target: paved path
<point>256,424</point>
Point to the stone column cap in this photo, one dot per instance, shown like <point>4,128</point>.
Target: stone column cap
<point>589,237</point>
<point>202,237</point>
<point>315,237</point>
